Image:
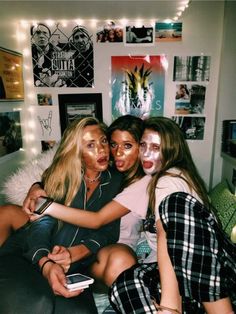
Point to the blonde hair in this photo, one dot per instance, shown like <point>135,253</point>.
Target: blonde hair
<point>174,153</point>
<point>63,177</point>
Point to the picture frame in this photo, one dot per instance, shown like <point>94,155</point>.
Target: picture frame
<point>11,75</point>
<point>75,106</point>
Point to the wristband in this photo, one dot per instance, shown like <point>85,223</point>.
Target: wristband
<point>47,261</point>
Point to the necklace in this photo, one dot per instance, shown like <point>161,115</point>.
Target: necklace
<point>92,180</point>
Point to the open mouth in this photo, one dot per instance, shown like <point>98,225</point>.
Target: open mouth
<point>147,164</point>
<point>102,160</point>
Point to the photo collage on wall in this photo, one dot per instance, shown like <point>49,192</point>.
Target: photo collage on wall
<point>191,74</point>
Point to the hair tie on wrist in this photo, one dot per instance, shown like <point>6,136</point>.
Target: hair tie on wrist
<point>47,261</point>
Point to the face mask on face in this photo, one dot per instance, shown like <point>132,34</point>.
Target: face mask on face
<point>150,152</point>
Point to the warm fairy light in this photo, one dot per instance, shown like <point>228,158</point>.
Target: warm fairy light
<point>26,52</point>
<point>79,21</point>
<point>167,21</point>
<point>24,23</point>
<point>93,23</point>
<point>49,22</point>
<point>123,21</point>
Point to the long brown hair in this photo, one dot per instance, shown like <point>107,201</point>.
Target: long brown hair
<point>62,178</point>
<point>174,153</point>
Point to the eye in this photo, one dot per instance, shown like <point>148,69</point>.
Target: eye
<point>90,145</point>
<point>104,141</point>
<point>128,145</point>
<point>156,148</point>
<point>113,145</point>
<point>142,145</point>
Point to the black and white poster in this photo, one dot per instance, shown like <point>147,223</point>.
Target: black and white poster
<point>62,55</point>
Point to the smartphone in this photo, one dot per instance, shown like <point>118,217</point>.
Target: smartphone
<point>42,204</point>
<point>78,281</point>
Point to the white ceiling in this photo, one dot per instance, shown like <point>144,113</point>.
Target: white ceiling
<point>100,9</point>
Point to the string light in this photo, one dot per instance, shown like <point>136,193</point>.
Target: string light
<point>24,37</point>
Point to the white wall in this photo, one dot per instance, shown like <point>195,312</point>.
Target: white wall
<point>226,93</point>
<point>202,33</point>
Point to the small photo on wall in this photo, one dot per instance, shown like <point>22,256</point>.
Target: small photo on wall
<point>10,132</point>
<point>166,32</point>
<point>193,127</point>
<point>110,32</point>
<point>143,35</point>
<point>192,68</point>
<point>44,99</point>
<point>190,99</point>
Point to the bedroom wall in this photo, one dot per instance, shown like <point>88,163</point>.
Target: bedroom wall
<point>202,34</point>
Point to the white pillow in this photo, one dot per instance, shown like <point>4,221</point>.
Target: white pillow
<point>18,184</point>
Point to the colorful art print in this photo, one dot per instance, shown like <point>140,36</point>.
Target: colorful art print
<point>138,85</point>
<point>10,132</point>
<point>139,35</point>
<point>110,32</point>
<point>193,127</point>
<point>192,68</point>
<point>11,75</point>
<point>190,99</point>
<point>44,99</point>
<point>168,31</point>
<point>62,56</point>
<point>77,106</point>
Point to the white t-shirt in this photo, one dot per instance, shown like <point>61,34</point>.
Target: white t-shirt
<point>135,197</point>
<point>167,185</point>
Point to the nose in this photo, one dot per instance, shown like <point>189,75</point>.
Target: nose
<point>119,151</point>
<point>146,152</point>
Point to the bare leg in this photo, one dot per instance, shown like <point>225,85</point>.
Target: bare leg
<point>111,261</point>
<point>11,218</point>
<point>222,306</point>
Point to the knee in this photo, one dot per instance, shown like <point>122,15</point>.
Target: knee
<point>120,259</point>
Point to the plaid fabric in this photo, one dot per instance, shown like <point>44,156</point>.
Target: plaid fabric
<point>202,256</point>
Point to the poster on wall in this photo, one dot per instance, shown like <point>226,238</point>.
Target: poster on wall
<point>46,100</point>
<point>193,127</point>
<point>62,55</point>
<point>191,68</point>
<point>139,36</point>
<point>47,123</point>
<point>10,132</point>
<point>109,32</point>
<point>11,75</point>
<point>168,31</point>
<point>138,85</point>
<point>190,99</point>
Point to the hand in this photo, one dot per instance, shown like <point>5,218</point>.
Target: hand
<point>30,201</point>
<point>46,124</point>
<point>57,280</point>
<point>62,256</point>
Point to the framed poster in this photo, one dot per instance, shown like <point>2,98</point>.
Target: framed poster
<point>11,75</point>
<point>62,55</point>
<point>76,106</point>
